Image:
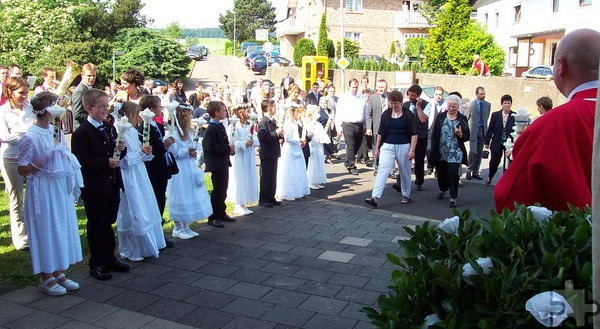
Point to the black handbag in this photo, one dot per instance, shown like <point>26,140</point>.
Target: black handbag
<point>485,154</point>
<point>172,164</point>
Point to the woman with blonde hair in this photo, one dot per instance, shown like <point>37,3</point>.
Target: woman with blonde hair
<point>139,219</point>
<point>16,117</point>
<point>187,197</point>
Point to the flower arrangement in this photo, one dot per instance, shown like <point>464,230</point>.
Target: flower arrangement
<point>122,126</point>
<point>56,111</point>
<point>147,116</point>
<point>472,272</point>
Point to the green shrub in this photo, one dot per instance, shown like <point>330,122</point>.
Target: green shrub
<point>529,256</point>
<point>304,47</point>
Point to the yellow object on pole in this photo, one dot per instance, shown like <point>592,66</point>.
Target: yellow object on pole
<point>313,66</point>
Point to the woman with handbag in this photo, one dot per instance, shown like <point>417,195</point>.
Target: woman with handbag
<point>450,132</point>
<point>499,129</point>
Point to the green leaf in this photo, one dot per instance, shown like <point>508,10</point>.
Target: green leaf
<point>548,261</point>
<point>586,273</point>
<point>497,226</point>
<point>582,235</point>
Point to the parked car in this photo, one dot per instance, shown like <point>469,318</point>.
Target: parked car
<point>195,53</point>
<point>204,50</point>
<point>253,82</point>
<point>252,55</point>
<point>157,82</point>
<point>260,63</point>
<point>427,95</point>
<point>376,58</point>
<point>539,72</point>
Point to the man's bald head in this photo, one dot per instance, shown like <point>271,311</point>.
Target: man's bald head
<point>576,60</point>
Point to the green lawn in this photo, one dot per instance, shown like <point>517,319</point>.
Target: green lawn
<point>214,45</point>
<point>15,265</point>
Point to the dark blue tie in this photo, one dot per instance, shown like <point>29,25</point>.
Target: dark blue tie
<point>481,114</point>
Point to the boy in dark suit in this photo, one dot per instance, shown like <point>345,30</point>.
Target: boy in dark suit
<point>216,156</point>
<point>93,144</point>
<point>269,136</point>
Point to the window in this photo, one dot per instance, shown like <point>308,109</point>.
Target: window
<point>517,13</point>
<point>585,2</point>
<point>497,19</point>
<point>485,18</point>
<point>555,6</point>
<point>354,5</point>
<point>355,36</point>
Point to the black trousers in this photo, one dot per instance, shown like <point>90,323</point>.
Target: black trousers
<point>447,176</point>
<point>220,180</point>
<point>268,180</point>
<point>365,146</point>
<point>353,134</point>
<point>159,187</point>
<point>420,153</point>
<point>495,158</point>
<point>101,215</point>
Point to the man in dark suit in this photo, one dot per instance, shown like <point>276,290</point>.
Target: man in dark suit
<point>269,137</point>
<point>376,105</point>
<point>93,143</point>
<point>88,77</point>
<point>478,113</point>
<point>157,167</point>
<point>217,151</point>
<point>285,83</point>
<point>313,97</point>
<point>421,109</point>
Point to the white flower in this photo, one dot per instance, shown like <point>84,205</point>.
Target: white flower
<point>449,225</point>
<point>549,308</point>
<point>485,263</point>
<point>540,213</point>
<point>430,320</point>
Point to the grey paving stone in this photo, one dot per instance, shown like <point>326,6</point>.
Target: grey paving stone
<point>132,300</point>
<point>248,290</point>
<point>345,268</point>
<point>175,291</point>
<point>73,324</point>
<point>376,273</point>
<point>313,274</point>
<point>330,245</point>
<point>324,229</point>
<point>210,299</point>
<point>276,246</point>
<point>164,258</point>
<point>288,316</point>
<point>219,256</point>
<point>344,224</point>
<point>363,325</point>
<point>89,311</point>
<point>38,320</point>
<point>280,257</point>
<point>214,283</point>
<point>284,282</point>
<point>336,256</point>
<point>23,296</point>
<point>280,238</point>
<point>323,305</point>
<point>320,288</point>
<point>304,242</point>
<point>124,319</point>
<point>302,234</point>
<point>186,263</point>
<point>305,251</point>
<point>366,251</point>
<point>250,276</point>
<point>164,324</point>
<point>142,283</point>
<point>206,318</point>
<point>241,322</point>
<point>368,260</point>
<point>348,280</point>
<point>171,310</point>
<point>361,232</point>
<point>355,241</point>
<point>300,225</point>
<point>285,297</point>
<point>99,292</point>
<point>379,285</point>
<point>11,312</point>
<point>251,252</point>
<point>150,270</point>
<point>182,276</point>
<point>280,268</point>
<point>276,229</point>
<point>320,321</point>
<point>215,269</point>
<point>352,311</point>
<point>191,252</point>
<point>251,263</point>
<point>380,236</point>
<point>55,305</point>
<point>248,307</point>
<point>360,296</point>
<point>311,262</point>
<point>248,242</point>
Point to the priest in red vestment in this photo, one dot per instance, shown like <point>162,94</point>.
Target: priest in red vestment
<point>553,157</point>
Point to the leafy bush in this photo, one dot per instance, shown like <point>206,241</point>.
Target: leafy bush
<point>351,48</point>
<point>304,47</point>
<point>529,256</point>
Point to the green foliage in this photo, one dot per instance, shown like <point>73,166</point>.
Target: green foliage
<point>304,47</point>
<point>210,32</point>
<point>173,31</point>
<point>322,44</point>
<point>330,49</point>
<point>151,53</point>
<point>456,38</point>
<point>392,49</point>
<point>415,46</point>
<point>529,256</point>
<point>351,48</point>
<point>249,16</point>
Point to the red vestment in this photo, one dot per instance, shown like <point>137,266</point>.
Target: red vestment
<point>553,159</point>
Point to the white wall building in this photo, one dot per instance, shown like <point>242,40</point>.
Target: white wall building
<point>529,30</point>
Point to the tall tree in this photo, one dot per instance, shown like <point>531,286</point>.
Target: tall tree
<point>249,16</point>
<point>322,43</point>
<point>173,31</point>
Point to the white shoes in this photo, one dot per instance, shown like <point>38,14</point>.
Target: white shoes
<point>316,186</point>
<point>248,211</point>
<point>181,231</point>
<point>189,231</point>
<point>133,259</point>
<point>68,284</point>
<point>242,210</point>
<point>54,290</point>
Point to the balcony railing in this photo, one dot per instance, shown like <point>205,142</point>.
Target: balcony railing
<point>291,26</point>
<point>409,19</point>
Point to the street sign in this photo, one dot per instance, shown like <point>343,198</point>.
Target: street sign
<point>262,34</point>
<point>268,55</point>
<point>343,63</point>
<point>268,47</point>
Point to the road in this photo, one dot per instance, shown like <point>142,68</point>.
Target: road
<point>351,189</point>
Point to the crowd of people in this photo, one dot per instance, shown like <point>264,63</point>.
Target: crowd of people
<point>138,140</point>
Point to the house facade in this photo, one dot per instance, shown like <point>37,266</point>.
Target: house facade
<point>375,24</point>
<point>529,30</point>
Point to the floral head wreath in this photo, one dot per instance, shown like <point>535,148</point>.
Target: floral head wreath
<point>42,111</point>
<point>241,106</point>
<point>182,106</point>
<point>116,110</point>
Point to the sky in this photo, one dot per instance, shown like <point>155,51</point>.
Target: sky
<point>194,13</point>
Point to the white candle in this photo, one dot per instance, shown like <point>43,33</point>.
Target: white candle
<point>234,120</point>
<point>147,116</point>
<point>56,111</point>
<point>122,126</point>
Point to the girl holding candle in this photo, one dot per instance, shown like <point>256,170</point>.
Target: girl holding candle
<point>53,182</point>
<point>139,219</point>
<point>243,188</point>
<point>316,163</point>
<point>187,197</point>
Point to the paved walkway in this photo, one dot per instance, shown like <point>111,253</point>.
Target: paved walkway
<point>312,263</point>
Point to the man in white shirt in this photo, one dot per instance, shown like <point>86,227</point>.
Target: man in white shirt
<point>49,77</point>
<point>349,120</point>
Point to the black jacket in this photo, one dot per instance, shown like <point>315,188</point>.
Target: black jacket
<point>434,155</point>
<point>216,148</point>
<point>494,132</point>
<point>423,126</point>
<point>268,138</point>
<point>386,116</point>
<point>157,167</point>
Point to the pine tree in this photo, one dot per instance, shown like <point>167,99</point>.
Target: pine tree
<point>322,43</point>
